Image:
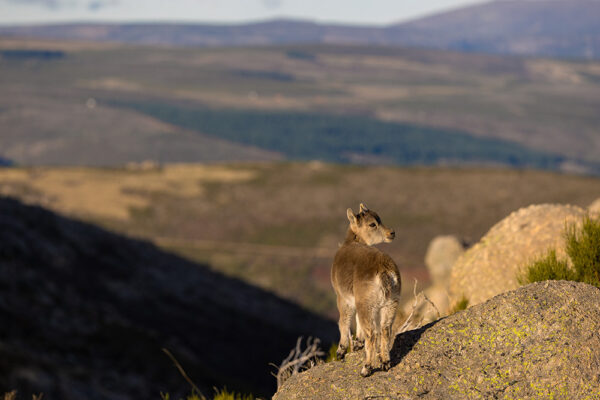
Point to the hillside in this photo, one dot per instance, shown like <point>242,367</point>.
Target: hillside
<point>108,104</point>
<point>277,226</point>
<point>546,28</point>
<point>86,312</point>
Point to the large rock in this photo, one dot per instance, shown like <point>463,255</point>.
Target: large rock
<point>594,207</point>
<point>493,264</point>
<point>442,253</point>
<point>539,341</point>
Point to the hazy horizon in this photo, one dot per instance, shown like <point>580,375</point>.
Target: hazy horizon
<point>379,12</point>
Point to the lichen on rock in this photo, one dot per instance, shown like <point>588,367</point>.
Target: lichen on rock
<point>539,341</point>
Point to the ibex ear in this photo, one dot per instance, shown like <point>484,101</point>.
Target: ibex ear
<point>351,216</point>
<point>363,208</point>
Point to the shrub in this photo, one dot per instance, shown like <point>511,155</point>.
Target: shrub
<point>583,249</point>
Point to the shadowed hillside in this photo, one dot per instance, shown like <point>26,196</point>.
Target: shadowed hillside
<point>86,312</point>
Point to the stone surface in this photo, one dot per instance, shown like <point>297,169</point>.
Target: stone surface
<point>539,341</point>
<point>491,266</point>
<point>442,253</point>
<point>594,207</point>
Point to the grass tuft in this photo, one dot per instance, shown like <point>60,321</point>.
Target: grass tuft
<point>332,353</point>
<point>223,394</point>
<point>462,304</point>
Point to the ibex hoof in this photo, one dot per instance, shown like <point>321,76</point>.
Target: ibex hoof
<point>340,353</point>
<point>386,365</point>
<point>358,344</point>
<point>366,371</point>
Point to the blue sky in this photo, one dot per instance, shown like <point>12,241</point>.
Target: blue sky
<point>371,12</point>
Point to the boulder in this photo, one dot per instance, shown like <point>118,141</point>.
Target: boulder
<point>442,253</point>
<point>594,208</point>
<point>492,265</point>
<point>539,341</point>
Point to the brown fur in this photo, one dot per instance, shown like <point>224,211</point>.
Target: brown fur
<point>367,284</point>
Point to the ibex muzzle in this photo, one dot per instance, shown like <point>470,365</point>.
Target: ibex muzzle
<point>367,284</point>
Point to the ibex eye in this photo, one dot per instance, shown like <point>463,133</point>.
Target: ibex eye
<point>372,225</point>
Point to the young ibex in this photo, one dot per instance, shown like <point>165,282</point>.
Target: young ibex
<point>367,284</point>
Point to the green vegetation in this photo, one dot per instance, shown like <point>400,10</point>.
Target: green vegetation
<point>462,304</point>
<point>583,249</point>
<point>27,54</point>
<point>547,268</point>
<point>220,394</point>
<point>332,353</point>
<point>345,138</point>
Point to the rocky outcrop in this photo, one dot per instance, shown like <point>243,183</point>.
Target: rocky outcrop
<point>84,314</point>
<point>492,265</point>
<point>539,341</point>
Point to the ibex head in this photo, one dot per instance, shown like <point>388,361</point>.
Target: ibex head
<point>368,228</point>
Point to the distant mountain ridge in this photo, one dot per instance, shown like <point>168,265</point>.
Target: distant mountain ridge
<point>548,28</point>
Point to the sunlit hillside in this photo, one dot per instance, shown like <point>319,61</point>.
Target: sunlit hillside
<point>279,225</point>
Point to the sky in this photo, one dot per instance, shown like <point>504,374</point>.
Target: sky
<point>362,12</point>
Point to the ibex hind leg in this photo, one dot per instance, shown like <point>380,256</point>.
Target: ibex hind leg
<point>388,314</point>
<point>359,343</point>
<point>369,317</point>
<point>347,311</point>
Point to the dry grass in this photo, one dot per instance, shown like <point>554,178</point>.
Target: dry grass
<point>112,193</point>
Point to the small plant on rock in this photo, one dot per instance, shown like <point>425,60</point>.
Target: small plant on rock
<point>583,249</point>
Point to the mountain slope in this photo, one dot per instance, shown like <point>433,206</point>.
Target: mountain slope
<point>66,133</point>
<point>281,31</point>
<point>86,312</point>
<point>549,28</point>
<point>552,28</point>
